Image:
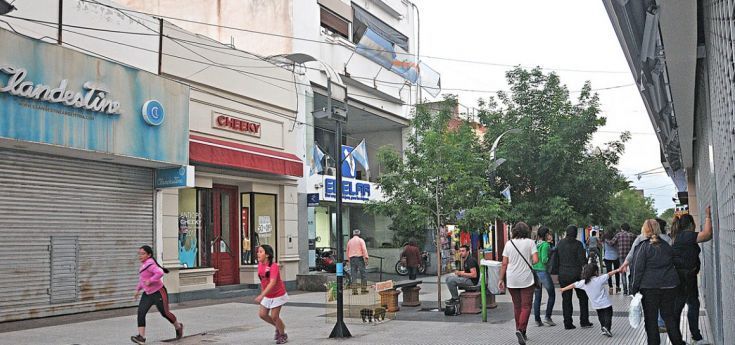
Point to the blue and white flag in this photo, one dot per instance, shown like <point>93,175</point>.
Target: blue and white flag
<point>506,193</point>
<point>316,160</point>
<point>360,155</point>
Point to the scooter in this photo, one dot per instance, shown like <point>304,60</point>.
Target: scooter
<point>402,270</point>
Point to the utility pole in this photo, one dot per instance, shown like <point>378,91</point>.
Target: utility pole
<point>340,329</point>
<point>438,246</point>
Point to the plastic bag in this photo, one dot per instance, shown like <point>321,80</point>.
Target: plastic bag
<point>635,310</point>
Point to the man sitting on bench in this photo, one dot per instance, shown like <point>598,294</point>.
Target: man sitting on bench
<point>464,277</point>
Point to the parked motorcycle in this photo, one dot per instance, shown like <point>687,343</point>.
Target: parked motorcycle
<point>325,260</point>
<point>402,270</point>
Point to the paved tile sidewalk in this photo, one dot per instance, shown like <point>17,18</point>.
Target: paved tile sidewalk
<point>305,317</point>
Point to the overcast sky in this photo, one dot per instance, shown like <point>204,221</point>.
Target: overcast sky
<point>568,34</point>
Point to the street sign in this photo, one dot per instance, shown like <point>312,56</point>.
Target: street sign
<point>312,199</point>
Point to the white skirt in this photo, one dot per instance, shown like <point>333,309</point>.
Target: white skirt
<point>270,303</point>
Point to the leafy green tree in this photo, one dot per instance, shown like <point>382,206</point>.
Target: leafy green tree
<point>667,215</point>
<point>629,206</point>
<point>440,180</point>
<point>555,174</point>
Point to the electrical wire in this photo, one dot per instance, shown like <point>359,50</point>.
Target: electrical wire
<point>335,43</point>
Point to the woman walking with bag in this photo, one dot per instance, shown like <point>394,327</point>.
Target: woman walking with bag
<point>518,255</point>
<point>150,275</point>
<point>654,276</point>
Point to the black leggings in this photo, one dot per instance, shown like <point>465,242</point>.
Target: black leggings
<point>160,299</point>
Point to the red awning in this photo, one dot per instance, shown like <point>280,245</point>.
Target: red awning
<point>233,155</point>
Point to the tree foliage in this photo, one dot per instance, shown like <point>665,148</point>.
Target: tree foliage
<point>556,176</point>
<point>442,167</point>
<point>629,206</point>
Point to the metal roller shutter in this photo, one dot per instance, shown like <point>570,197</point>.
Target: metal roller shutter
<point>70,233</point>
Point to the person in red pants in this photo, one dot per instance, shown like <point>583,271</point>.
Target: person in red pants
<point>519,254</point>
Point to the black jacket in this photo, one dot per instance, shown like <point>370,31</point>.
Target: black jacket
<point>652,267</point>
<point>572,258</point>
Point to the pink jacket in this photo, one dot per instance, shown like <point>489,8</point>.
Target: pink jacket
<point>151,273</point>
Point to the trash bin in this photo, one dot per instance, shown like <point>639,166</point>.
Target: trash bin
<point>493,275</point>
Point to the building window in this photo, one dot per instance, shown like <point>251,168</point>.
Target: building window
<point>190,227</point>
<point>334,23</point>
<point>259,224</point>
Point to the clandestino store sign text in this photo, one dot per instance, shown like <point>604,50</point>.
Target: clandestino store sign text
<point>94,98</point>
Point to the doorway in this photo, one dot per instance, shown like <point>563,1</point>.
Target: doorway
<point>225,253</point>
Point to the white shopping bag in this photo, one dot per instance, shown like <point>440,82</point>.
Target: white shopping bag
<point>635,311</point>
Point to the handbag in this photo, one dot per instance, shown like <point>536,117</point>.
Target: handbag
<point>536,280</point>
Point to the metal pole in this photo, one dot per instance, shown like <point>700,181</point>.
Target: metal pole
<point>160,45</point>
<point>340,329</point>
<point>59,34</point>
<point>438,248</point>
<point>483,291</point>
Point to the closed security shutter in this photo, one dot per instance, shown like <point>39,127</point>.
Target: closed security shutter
<point>70,233</point>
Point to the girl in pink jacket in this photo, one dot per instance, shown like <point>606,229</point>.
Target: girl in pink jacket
<point>150,275</point>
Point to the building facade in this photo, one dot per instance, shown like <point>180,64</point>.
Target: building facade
<point>369,48</point>
<point>87,147</point>
<point>681,55</point>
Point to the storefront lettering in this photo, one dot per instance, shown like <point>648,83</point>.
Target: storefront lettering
<point>351,190</point>
<point>236,125</point>
<point>92,99</point>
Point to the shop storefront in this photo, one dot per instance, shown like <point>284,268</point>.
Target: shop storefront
<point>244,195</point>
<point>82,144</point>
<point>355,193</point>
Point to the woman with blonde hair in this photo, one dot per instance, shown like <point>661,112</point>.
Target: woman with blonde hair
<point>654,276</point>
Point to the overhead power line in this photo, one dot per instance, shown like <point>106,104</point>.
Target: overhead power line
<point>336,43</point>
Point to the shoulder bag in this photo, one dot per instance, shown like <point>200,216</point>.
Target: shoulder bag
<point>536,280</point>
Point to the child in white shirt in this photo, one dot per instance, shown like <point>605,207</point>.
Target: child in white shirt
<point>595,287</point>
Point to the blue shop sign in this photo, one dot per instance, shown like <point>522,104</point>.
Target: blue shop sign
<point>351,189</point>
<point>181,177</point>
<point>58,96</point>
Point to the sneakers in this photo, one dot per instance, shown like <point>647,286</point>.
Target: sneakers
<point>521,338</point>
<point>452,301</point>
<point>606,332</point>
<point>610,291</point>
<point>179,331</point>
<point>617,290</point>
<point>539,323</point>
<point>700,342</point>
<point>570,326</point>
<point>549,322</point>
<point>587,325</point>
<point>282,338</point>
<point>138,339</point>
<point>662,329</point>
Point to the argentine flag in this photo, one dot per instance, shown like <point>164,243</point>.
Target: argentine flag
<point>316,160</point>
<point>360,155</point>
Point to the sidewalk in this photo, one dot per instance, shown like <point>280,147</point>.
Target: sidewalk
<point>236,322</point>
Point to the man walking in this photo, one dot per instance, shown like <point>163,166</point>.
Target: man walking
<point>571,260</point>
<point>358,254</point>
<point>623,242</point>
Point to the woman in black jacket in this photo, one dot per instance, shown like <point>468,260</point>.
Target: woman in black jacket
<point>654,276</point>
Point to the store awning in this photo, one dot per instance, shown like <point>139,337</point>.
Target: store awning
<point>222,153</point>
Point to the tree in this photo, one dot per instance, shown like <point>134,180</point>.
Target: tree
<point>667,215</point>
<point>629,206</point>
<point>557,177</point>
<point>441,179</point>
<point>443,169</point>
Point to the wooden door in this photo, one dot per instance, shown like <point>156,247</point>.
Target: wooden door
<point>225,253</point>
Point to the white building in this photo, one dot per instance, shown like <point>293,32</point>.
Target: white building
<point>352,38</point>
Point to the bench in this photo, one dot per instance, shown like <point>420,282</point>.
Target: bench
<point>410,289</point>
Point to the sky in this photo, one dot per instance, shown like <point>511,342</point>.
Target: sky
<point>558,35</point>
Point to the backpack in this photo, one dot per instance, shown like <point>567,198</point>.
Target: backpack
<point>553,266</point>
<point>451,309</point>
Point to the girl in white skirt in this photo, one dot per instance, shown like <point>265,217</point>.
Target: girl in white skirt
<point>273,292</point>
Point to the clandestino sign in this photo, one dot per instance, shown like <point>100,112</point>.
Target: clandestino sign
<point>94,98</point>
